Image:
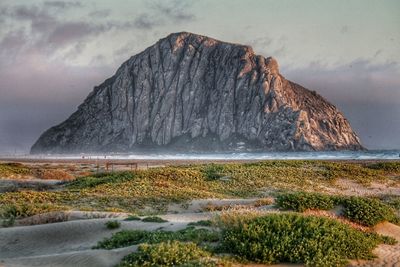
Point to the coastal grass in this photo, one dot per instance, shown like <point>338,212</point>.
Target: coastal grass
<point>112,225</point>
<point>133,237</point>
<point>154,219</point>
<point>169,253</point>
<point>362,210</point>
<point>15,170</point>
<point>250,237</point>
<point>293,238</point>
<point>155,188</point>
<point>12,170</point>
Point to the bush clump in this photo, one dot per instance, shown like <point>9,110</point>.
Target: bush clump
<point>213,171</point>
<point>133,237</point>
<point>301,201</point>
<point>23,210</point>
<point>132,218</point>
<point>101,178</point>
<point>314,241</point>
<point>206,223</point>
<point>171,253</point>
<point>385,166</point>
<point>112,224</point>
<point>155,219</point>
<point>366,211</point>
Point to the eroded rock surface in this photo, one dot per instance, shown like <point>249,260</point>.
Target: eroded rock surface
<point>190,92</point>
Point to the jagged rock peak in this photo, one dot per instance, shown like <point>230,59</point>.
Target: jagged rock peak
<point>273,65</point>
<point>190,92</point>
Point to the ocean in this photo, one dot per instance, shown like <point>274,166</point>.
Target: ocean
<point>326,155</point>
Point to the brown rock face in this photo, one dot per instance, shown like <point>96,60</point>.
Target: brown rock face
<point>190,92</point>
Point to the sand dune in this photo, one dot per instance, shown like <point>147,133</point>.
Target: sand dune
<point>388,256</point>
<point>68,243</point>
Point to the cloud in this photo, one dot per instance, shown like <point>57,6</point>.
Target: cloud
<point>69,32</point>
<point>145,21</point>
<point>35,29</point>
<point>103,13</point>
<point>176,10</point>
<point>344,29</point>
<point>164,12</point>
<point>62,4</point>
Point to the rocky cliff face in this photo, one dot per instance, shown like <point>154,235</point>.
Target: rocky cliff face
<point>190,92</point>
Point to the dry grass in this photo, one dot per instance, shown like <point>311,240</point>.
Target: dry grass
<point>53,174</point>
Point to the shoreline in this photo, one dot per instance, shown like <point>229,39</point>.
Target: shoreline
<point>174,161</point>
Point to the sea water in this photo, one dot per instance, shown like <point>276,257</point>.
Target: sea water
<point>326,155</point>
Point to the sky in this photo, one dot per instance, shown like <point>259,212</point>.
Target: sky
<point>52,54</point>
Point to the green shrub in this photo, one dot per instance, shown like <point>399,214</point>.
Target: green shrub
<point>13,169</point>
<point>301,201</point>
<point>8,222</point>
<point>133,237</point>
<point>213,171</point>
<point>366,211</point>
<point>99,179</point>
<point>112,224</point>
<point>23,210</point>
<point>393,201</point>
<point>132,218</point>
<point>385,166</point>
<point>155,219</point>
<point>171,253</point>
<point>206,223</point>
<point>314,241</point>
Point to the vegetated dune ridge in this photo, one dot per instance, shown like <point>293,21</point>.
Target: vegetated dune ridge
<point>69,243</point>
<point>189,92</point>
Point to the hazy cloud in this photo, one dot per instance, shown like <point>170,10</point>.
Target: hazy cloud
<point>145,21</point>
<point>103,13</point>
<point>63,4</point>
<point>67,32</point>
<point>178,11</point>
<point>344,29</point>
<point>162,12</point>
<point>48,32</point>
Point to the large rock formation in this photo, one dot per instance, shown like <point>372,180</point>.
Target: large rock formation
<point>190,92</point>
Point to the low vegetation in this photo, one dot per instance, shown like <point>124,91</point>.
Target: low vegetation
<point>133,237</point>
<point>368,212</point>
<point>155,188</point>
<point>250,237</point>
<point>385,166</point>
<point>205,223</point>
<point>155,219</point>
<point>113,225</point>
<point>14,170</point>
<point>314,241</point>
<point>132,218</point>
<point>361,210</point>
<point>170,253</point>
<point>213,171</point>
<point>301,201</point>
